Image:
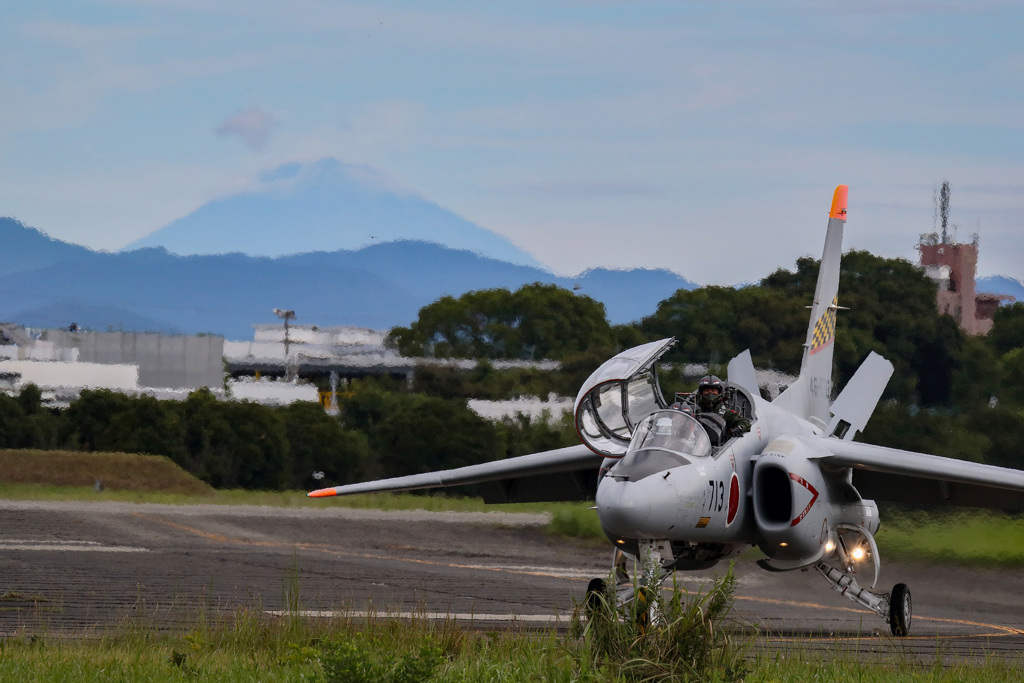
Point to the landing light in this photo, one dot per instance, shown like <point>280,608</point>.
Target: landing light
<point>830,546</point>
<point>858,553</point>
<point>783,545</point>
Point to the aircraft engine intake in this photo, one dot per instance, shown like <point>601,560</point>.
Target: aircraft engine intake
<point>791,506</point>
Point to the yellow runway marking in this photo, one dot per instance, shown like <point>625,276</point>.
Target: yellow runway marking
<point>1000,630</point>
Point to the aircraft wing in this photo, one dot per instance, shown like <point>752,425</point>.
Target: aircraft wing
<point>918,478</point>
<point>562,474</point>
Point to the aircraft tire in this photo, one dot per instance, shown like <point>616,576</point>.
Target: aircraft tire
<point>900,610</point>
<point>595,595</point>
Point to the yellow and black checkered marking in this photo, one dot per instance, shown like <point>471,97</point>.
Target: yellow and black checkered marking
<point>825,328</point>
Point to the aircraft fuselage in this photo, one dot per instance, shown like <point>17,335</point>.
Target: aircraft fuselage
<point>701,503</point>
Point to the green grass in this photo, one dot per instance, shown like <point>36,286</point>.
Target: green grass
<point>964,537</point>
<point>250,645</point>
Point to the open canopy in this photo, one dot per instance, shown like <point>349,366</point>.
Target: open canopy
<point>617,396</point>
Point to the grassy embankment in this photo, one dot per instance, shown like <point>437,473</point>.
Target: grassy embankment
<point>969,536</point>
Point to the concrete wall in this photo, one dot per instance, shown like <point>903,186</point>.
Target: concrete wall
<point>173,361</point>
<point>55,374</point>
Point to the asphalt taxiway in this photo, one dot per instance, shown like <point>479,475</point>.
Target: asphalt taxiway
<point>84,567</point>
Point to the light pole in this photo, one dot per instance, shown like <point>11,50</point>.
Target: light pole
<point>285,316</point>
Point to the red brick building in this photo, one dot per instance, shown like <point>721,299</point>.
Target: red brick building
<point>953,266</point>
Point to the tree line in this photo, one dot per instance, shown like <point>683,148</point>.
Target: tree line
<point>891,306</point>
<point>238,444</point>
<point>951,394</point>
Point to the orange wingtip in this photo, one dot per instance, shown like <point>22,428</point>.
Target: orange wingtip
<point>839,203</point>
<point>322,493</point>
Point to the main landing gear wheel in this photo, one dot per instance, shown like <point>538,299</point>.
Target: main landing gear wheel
<point>899,610</point>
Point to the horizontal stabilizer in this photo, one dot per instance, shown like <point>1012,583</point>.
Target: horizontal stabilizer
<point>853,407</point>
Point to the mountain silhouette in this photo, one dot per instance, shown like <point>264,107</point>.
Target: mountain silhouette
<point>26,248</point>
<point>49,283</point>
<point>323,206</point>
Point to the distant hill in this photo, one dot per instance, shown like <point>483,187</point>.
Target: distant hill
<point>378,286</point>
<point>25,248</point>
<point>49,283</point>
<point>224,294</point>
<point>323,206</point>
<point>60,314</point>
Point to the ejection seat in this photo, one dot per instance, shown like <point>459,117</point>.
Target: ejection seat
<point>714,425</point>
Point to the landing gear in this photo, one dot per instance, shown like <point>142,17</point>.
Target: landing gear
<point>894,607</point>
<point>643,594</point>
<point>595,595</point>
<point>899,610</point>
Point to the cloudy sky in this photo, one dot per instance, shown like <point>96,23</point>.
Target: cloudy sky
<point>704,137</point>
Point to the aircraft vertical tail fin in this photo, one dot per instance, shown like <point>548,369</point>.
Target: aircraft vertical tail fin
<point>810,395</point>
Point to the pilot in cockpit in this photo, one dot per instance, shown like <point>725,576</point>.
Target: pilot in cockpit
<point>711,399</point>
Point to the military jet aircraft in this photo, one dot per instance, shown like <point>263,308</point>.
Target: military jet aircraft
<point>675,489</point>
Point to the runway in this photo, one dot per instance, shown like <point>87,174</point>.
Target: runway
<point>83,568</point>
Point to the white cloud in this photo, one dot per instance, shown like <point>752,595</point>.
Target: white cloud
<point>251,125</point>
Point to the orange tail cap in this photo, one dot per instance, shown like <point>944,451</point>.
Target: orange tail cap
<point>839,203</point>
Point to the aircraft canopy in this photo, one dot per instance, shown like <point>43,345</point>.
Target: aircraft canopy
<point>617,396</point>
<point>665,439</point>
<point>671,430</point>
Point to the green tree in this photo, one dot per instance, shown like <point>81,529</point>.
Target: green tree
<point>976,374</point>
<point>927,431</point>
<point>25,422</point>
<point>1001,427</point>
<point>1012,385</point>
<point>318,442</point>
<point>10,421</point>
<point>892,312</point>
<point>147,425</point>
<point>94,421</point>
<point>1007,328</point>
<point>412,433</point>
<point>522,434</point>
<point>536,321</point>
<point>232,444</point>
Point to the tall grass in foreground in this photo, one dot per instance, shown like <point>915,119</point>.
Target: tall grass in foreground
<point>250,645</point>
<point>682,637</point>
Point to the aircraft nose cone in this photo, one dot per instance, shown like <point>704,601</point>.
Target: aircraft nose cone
<point>622,507</point>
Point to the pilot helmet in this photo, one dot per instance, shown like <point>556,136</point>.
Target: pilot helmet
<point>709,392</point>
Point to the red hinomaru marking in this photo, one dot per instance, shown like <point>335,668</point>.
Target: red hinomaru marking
<point>321,493</point>
<point>734,498</point>
<point>814,496</point>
